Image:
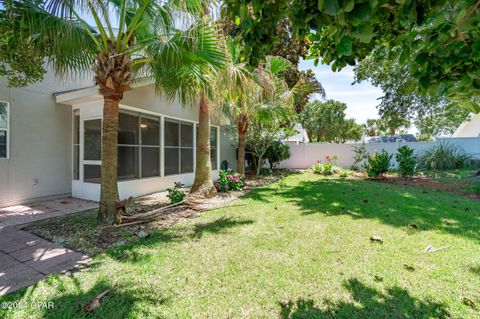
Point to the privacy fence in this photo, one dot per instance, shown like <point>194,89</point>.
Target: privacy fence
<point>306,155</point>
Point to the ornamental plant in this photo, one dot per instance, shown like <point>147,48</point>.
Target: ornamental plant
<point>229,180</point>
<point>406,161</point>
<point>378,164</point>
<point>175,194</point>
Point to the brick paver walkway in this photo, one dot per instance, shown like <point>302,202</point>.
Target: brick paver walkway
<point>26,258</point>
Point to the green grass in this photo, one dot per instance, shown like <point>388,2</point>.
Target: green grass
<point>299,248</point>
<point>461,179</point>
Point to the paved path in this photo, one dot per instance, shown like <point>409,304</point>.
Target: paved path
<point>26,258</point>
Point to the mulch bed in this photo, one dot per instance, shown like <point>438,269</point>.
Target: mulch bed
<point>80,231</point>
<point>424,181</point>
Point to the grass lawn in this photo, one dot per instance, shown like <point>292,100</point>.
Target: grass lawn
<point>299,248</point>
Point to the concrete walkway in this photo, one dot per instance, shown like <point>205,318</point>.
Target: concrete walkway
<point>26,258</point>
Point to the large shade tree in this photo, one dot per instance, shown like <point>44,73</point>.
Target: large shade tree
<point>129,39</point>
<point>439,40</point>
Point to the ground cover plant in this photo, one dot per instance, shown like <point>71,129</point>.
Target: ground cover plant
<point>307,246</point>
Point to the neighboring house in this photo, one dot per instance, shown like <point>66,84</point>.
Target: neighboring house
<point>299,138</point>
<point>469,128</point>
<point>390,139</point>
<point>50,139</point>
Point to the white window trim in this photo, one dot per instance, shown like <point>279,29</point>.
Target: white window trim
<point>8,131</point>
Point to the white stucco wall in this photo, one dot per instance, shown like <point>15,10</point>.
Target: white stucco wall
<point>39,140</point>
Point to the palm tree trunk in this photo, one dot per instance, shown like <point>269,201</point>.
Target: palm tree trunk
<point>107,213</point>
<point>242,127</point>
<point>203,184</point>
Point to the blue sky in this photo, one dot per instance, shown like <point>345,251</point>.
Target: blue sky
<point>361,99</point>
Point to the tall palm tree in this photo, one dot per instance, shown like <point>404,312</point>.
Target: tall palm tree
<point>129,38</point>
<point>245,92</point>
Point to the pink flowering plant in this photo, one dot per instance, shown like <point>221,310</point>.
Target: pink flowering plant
<point>229,180</point>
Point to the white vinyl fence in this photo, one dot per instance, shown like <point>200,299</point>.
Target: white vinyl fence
<point>306,155</point>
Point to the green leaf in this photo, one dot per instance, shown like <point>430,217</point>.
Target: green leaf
<point>237,20</point>
<point>360,13</point>
<point>348,5</point>
<point>344,47</point>
<point>405,55</point>
<point>331,7</point>
<point>320,4</point>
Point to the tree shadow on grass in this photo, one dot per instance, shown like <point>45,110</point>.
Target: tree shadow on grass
<point>394,205</point>
<point>220,225</point>
<point>368,303</point>
<point>119,302</point>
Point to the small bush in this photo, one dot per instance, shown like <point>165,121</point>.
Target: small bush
<point>444,156</point>
<point>406,161</point>
<point>476,188</point>
<point>229,180</point>
<point>343,173</point>
<point>175,194</point>
<point>360,156</point>
<point>328,168</point>
<point>276,153</point>
<point>378,164</point>
<point>265,172</point>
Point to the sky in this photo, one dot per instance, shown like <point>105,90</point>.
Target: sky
<point>361,99</point>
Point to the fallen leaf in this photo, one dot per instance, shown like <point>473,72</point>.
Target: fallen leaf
<point>365,200</point>
<point>408,267</point>
<point>95,303</point>
<point>377,239</point>
<point>378,278</point>
<point>447,222</point>
<point>469,302</point>
<point>414,226</point>
<point>428,249</point>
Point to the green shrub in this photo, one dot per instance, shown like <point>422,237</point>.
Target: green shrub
<point>444,156</point>
<point>276,153</point>
<point>343,173</point>
<point>406,161</point>
<point>327,168</point>
<point>175,194</point>
<point>360,156</point>
<point>229,180</point>
<point>476,188</point>
<point>377,164</point>
<point>265,172</point>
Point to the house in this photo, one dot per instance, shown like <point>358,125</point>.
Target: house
<point>390,138</point>
<point>50,140</point>
<point>469,128</point>
<point>299,138</point>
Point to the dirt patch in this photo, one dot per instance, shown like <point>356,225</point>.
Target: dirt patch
<point>81,232</point>
<point>423,181</point>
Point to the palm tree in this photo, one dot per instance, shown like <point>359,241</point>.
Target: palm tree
<point>145,42</point>
<point>246,92</point>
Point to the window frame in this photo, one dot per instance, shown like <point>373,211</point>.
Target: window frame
<point>7,130</point>
<point>75,131</point>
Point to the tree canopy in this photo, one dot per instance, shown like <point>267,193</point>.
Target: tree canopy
<point>326,122</point>
<point>438,40</point>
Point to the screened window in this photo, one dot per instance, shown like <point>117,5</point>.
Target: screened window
<point>92,138</point>
<point>91,173</point>
<point>178,147</point>
<point>138,146</point>
<point>4,126</point>
<point>76,144</point>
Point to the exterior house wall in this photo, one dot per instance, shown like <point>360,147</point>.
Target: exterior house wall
<point>39,140</point>
<point>469,128</point>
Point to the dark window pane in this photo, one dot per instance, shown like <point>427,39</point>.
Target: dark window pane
<point>187,135</point>
<point>127,162</point>
<point>91,173</point>
<point>150,131</point>
<point>213,137</point>
<point>3,144</point>
<point>92,140</point>
<point>213,158</point>
<point>76,160</point>
<point>171,133</point>
<point>3,115</point>
<point>187,160</point>
<point>128,129</point>
<point>171,161</point>
<point>150,161</point>
<point>76,129</point>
